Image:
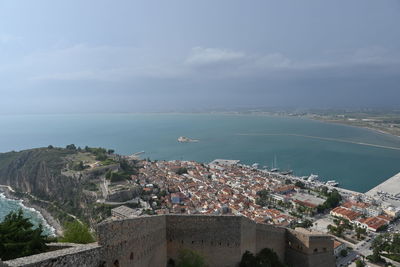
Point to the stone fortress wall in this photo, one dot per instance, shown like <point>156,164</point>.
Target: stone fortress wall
<point>222,240</point>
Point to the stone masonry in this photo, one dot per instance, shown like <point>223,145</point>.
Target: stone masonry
<point>153,240</point>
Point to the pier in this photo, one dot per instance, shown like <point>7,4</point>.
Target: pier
<point>390,186</point>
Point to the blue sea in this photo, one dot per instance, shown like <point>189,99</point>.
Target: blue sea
<point>7,205</point>
<point>357,158</point>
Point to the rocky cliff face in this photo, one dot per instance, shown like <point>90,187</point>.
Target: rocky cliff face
<point>39,173</point>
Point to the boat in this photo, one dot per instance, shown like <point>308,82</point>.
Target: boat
<point>255,166</point>
<point>312,178</point>
<point>287,172</point>
<point>332,183</point>
<point>274,165</point>
<point>184,139</point>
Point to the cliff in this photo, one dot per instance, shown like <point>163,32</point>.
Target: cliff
<point>48,178</point>
<point>38,172</point>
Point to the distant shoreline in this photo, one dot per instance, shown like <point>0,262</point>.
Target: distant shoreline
<point>356,126</point>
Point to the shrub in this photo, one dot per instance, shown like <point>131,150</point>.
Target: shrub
<point>76,232</point>
<point>190,258</point>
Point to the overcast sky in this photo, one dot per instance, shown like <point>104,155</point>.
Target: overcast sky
<point>129,56</point>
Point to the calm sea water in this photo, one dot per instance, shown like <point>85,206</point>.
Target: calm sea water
<point>247,138</point>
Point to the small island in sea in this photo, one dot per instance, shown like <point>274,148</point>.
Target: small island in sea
<point>184,139</point>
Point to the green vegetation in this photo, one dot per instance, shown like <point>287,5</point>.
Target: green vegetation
<point>300,184</point>
<point>117,176</point>
<point>181,171</point>
<point>332,201</point>
<point>127,170</point>
<point>66,193</point>
<point>107,162</point>
<point>387,245</point>
<point>265,258</point>
<point>341,225</point>
<point>343,253</point>
<point>304,224</point>
<point>190,258</point>
<point>377,247</point>
<point>336,230</point>
<point>19,238</point>
<point>360,232</point>
<point>79,166</point>
<point>263,198</point>
<point>76,232</point>
<point>90,186</point>
<point>71,147</point>
<point>99,152</point>
<point>359,263</point>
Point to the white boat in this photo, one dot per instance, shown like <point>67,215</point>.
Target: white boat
<point>332,183</point>
<point>312,178</point>
<point>274,166</point>
<point>255,166</point>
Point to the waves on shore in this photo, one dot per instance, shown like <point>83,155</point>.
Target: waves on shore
<point>7,205</point>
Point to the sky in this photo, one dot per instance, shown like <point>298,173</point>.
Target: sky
<point>143,56</point>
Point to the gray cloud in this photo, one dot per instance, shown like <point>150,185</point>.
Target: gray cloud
<point>188,55</point>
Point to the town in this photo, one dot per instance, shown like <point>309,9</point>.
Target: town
<point>228,187</point>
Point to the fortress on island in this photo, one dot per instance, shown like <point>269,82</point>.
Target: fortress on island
<point>154,240</point>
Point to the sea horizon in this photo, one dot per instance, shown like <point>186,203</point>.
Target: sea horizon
<point>254,138</point>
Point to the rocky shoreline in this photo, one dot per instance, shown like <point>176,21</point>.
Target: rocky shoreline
<point>49,219</point>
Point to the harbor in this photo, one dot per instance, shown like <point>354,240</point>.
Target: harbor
<point>388,191</point>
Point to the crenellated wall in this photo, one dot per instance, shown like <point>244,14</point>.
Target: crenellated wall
<point>305,248</point>
<point>269,236</point>
<point>217,238</point>
<point>154,240</point>
<point>72,255</point>
<point>134,242</point>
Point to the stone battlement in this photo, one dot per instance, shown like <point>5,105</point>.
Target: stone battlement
<point>220,239</point>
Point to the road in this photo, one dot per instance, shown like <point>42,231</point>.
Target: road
<point>345,261</point>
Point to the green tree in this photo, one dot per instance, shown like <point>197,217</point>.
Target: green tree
<point>300,184</point>
<point>304,224</point>
<point>71,147</point>
<point>79,166</point>
<point>360,231</point>
<point>268,258</point>
<point>331,202</point>
<point>248,260</point>
<point>359,263</point>
<point>76,232</point>
<point>19,238</point>
<point>181,171</point>
<point>265,258</point>
<point>190,258</point>
<point>343,252</point>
